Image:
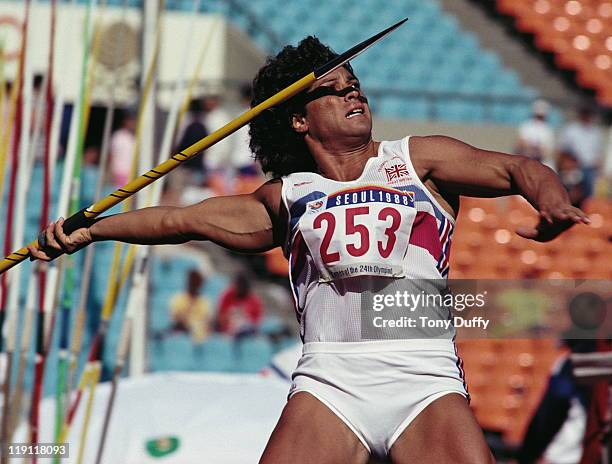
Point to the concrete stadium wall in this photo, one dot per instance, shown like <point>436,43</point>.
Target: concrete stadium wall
<point>491,137</point>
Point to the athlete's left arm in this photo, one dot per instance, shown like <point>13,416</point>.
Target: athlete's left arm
<point>462,169</point>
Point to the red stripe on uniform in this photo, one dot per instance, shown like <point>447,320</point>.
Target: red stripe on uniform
<point>424,234</point>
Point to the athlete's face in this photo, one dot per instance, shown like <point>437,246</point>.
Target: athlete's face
<point>336,117</point>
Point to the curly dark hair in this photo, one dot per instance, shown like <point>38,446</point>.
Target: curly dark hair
<point>278,148</point>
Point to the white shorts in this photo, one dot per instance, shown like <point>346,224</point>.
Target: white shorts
<point>377,388</point>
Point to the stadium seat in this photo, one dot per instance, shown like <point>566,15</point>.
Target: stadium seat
<point>216,354</point>
<point>433,54</point>
<point>573,31</point>
<point>276,262</point>
<point>177,353</point>
<point>506,379</point>
<point>254,354</point>
<point>271,324</point>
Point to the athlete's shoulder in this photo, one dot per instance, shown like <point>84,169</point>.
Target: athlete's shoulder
<point>269,192</point>
<point>270,195</point>
<point>433,143</point>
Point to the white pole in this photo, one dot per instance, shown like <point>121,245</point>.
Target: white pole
<point>23,182</point>
<point>138,339</point>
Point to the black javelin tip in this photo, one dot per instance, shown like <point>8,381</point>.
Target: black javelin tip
<point>355,51</point>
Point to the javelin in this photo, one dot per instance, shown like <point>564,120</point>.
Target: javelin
<point>84,217</point>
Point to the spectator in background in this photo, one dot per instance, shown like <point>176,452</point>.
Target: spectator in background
<point>240,311</point>
<point>572,178</point>
<point>122,145</point>
<point>194,131</point>
<point>242,157</point>
<point>39,112</point>
<point>189,310</point>
<point>89,174</point>
<point>557,428</point>
<point>218,157</point>
<point>583,140</point>
<point>536,138</point>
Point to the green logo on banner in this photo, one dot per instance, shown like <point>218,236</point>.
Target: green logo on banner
<point>163,446</point>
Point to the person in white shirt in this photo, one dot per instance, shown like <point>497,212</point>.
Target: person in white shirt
<point>122,145</point>
<point>242,157</point>
<point>583,139</point>
<point>218,157</point>
<point>536,138</point>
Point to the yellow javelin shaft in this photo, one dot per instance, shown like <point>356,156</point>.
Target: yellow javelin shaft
<point>81,218</point>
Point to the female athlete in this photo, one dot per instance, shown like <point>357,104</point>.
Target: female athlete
<point>355,217</point>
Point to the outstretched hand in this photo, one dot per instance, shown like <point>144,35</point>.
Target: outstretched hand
<point>553,222</point>
<point>59,243</point>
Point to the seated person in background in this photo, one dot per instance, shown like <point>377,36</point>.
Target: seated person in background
<point>240,310</point>
<point>242,157</point>
<point>536,138</point>
<point>557,428</point>
<point>122,145</point>
<point>572,179</point>
<point>583,139</point>
<point>194,131</point>
<point>189,310</point>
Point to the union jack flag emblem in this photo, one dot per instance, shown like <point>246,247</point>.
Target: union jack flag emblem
<point>396,171</point>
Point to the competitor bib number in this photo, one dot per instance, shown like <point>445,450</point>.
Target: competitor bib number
<point>371,239</point>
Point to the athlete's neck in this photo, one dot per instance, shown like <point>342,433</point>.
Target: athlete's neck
<point>344,164</point>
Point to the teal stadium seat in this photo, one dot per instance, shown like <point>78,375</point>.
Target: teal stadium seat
<point>256,353</point>
<point>217,354</point>
<point>271,324</point>
<point>176,354</point>
<point>431,54</point>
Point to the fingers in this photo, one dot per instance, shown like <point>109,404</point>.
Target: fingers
<point>565,213</point>
<point>50,237</point>
<point>527,232</point>
<point>64,240</point>
<point>35,253</point>
<point>580,216</point>
<point>547,216</point>
<point>56,241</point>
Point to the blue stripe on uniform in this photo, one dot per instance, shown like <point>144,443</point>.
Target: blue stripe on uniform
<point>420,195</point>
<point>298,208</point>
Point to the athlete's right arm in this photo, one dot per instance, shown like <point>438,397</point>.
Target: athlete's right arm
<point>249,223</point>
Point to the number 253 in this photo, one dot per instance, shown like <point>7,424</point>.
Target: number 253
<point>352,228</point>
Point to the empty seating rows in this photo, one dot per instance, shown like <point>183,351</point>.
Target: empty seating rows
<point>424,63</point>
<point>217,353</point>
<point>576,31</point>
<point>429,69</point>
<point>506,380</point>
<point>485,244</point>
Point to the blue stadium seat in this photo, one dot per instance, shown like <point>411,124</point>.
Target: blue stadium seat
<point>255,354</point>
<point>431,54</point>
<point>271,324</point>
<point>177,354</point>
<point>460,111</point>
<point>217,354</point>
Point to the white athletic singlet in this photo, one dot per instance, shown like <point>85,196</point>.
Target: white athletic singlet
<point>368,235</point>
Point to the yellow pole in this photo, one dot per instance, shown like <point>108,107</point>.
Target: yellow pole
<point>92,381</point>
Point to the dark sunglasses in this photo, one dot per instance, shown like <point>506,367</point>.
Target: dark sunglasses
<point>326,91</point>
